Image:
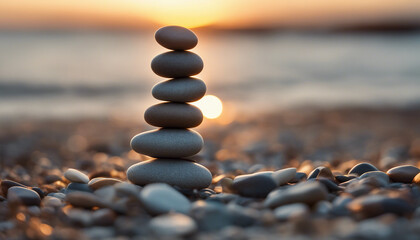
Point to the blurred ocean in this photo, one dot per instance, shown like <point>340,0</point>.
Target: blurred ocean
<point>85,74</point>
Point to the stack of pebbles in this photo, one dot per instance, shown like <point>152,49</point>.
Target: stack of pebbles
<point>173,142</point>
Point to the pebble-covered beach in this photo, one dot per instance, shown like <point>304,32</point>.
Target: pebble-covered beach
<point>296,174</point>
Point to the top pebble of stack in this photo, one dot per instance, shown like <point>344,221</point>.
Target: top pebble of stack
<point>176,38</point>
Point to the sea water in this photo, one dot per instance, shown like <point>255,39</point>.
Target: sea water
<point>87,74</point>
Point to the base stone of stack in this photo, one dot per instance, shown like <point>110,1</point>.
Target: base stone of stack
<point>176,172</point>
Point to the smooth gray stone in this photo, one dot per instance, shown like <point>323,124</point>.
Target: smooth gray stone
<point>176,64</point>
<point>375,205</point>
<point>175,172</point>
<point>173,115</point>
<point>283,176</point>
<point>74,175</point>
<point>291,211</point>
<point>361,168</point>
<point>254,185</point>
<point>404,174</point>
<point>173,225</point>
<point>84,200</point>
<point>376,174</point>
<point>72,187</point>
<point>160,198</point>
<point>100,182</point>
<point>168,143</point>
<point>176,38</point>
<point>306,192</point>
<point>26,196</point>
<point>180,90</point>
<point>210,215</point>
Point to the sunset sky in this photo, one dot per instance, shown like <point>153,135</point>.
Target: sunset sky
<point>197,13</point>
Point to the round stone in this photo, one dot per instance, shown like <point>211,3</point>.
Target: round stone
<point>176,38</point>
<point>97,183</point>
<point>361,168</point>
<point>173,115</point>
<point>283,176</point>
<point>374,205</point>
<point>306,192</point>
<point>26,196</point>
<point>254,185</point>
<point>168,143</point>
<point>76,176</point>
<point>175,172</point>
<point>160,198</point>
<point>291,211</point>
<point>173,225</point>
<point>84,200</point>
<point>177,64</point>
<point>180,90</point>
<point>404,174</point>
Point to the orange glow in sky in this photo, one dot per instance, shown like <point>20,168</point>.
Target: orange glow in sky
<point>196,13</point>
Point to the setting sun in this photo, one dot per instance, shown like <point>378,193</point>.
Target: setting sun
<point>210,105</point>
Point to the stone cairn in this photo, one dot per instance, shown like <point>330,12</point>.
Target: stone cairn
<point>173,142</point>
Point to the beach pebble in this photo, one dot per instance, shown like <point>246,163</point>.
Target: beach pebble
<point>305,192</point>
<point>177,64</point>
<point>26,196</point>
<point>168,143</point>
<point>210,215</point>
<point>180,90</point>
<point>253,185</point>
<point>84,200</point>
<point>378,175</point>
<point>291,211</point>
<point>176,38</point>
<point>173,115</point>
<point>344,178</point>
<point>160,198</point>
<point>103,217</point>
<point>97,183</point>
<point>76,176</point>
<point>361,168</point>
<point>375,205</point>
<point>73,187</point>
<point>403,174</point>
<point>175,172</point>
<point>127,189</point>
<point>300,176</point>
<point>416,179</point>
<point>283,176</point>
<point>321,172</point>
<point>173,225</point>
<point>6,184</point>
<point>54,202</point>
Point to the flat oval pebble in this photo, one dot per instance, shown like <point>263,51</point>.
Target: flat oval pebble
<point>254,185</point>
<point>176,38</point>
<point>168,143</point>
<point>160,198</point>
<point>76,176</point>
<point>376,174</point>
<point>375,205</point>
<point>173,225</point>
<point>404,174</point>
<point>283,176</point>
<point>177,64</point>
<point>180,90</point>
<point>84,199</point>
<point>6,184</point>
<point>361,168</point>
<point>291,211</point>
<point>73,187</point>
<point>306,192</point>
<point>97,183</point>
<point>26,196</point>
<point>173,115</point>
<point>175,172</point>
